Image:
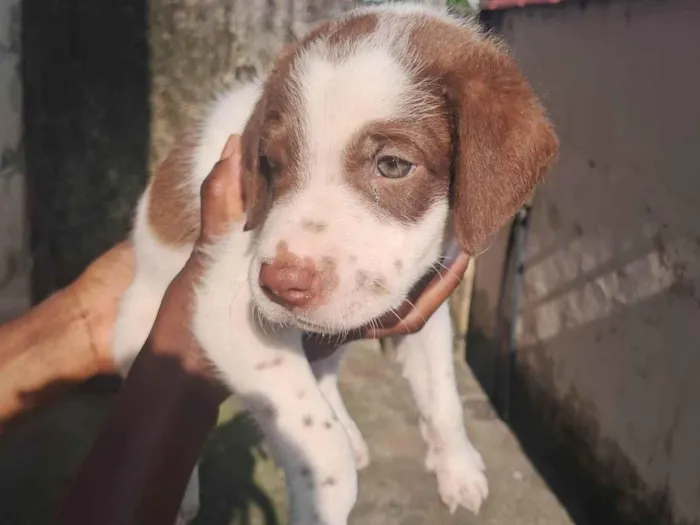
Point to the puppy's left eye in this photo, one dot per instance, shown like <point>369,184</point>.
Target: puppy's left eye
<point>267,165</point>
<point>394,167</point>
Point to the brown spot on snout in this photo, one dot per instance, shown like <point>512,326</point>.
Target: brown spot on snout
<point>313,226</point>
<point>295,282</point>
<point>379,286</point>
<point>328,482</point>
<point>273,363</point>
<point>361,279</point>
<point>375,285</point>
<point>398,265</point>
<point>308,421</point>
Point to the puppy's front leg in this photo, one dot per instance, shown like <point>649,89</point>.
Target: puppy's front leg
<point>428,366</point>
<point>271,374</point>
<point>326,372</point>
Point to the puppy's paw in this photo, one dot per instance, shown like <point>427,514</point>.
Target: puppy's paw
<point>461,480</point>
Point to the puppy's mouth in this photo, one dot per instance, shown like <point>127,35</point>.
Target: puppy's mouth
<point>325,329</point>
<point>303,320</point>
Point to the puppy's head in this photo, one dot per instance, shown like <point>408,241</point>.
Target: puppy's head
<point>371,136</point>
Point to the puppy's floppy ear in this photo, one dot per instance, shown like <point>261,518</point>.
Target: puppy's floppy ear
<point>256,186</point>
<point>503,142</point>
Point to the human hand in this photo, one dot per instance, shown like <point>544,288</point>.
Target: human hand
<point>102,284</point>
<point>97,292</point>
<point>222,208</point>
<point>425,298</point>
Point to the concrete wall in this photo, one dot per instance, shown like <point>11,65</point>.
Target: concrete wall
<point>13,233</point>
<point>609,325</point>
<point>108,85</point>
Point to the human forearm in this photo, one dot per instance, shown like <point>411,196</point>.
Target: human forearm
<point>47,348</point>
<point>138,468</point>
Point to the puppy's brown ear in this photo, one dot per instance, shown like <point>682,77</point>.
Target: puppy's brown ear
<point>503,142</point>
<point>256,186</point>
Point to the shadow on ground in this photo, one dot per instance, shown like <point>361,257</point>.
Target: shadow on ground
<point>40,454</point>
<point>229,491</point>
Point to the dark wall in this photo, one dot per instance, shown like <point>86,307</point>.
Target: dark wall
<point>87,115</point>
<point>603,376</point>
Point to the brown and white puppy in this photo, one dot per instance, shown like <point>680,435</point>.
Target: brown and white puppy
<point>371,143</point>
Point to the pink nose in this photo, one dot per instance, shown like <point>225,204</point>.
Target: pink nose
<point>289,281</point>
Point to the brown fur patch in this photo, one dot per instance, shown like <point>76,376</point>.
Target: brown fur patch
<point>361,278</point>
<point>423,141</point>
<point>327,280</point>
<point>173,209</point>
<point>484,147</point>
<point>264,365</point>
<point>271,163</point>
<point>502,141</point>
<point>379,286</point>
<point>329,482</point>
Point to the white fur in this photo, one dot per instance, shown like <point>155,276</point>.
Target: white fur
<point>300,409</point>
<point>306,439</point>
<point>428,366</point>
<point>356,239</point>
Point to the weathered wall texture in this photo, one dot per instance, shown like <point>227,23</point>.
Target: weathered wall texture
<point>107,87</point>
<point>13,231</point>
<point>201,47</point>
<point>609,324</point>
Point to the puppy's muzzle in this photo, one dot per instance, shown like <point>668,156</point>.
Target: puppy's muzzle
<point>290,284</point>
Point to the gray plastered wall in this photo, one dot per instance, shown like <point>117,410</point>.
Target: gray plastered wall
<point>14,258</point>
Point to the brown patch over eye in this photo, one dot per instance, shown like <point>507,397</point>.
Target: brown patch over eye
<point>402,167</point>
<point>271,142</point>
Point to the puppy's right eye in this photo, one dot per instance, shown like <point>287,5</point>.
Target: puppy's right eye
<point>392,167</point>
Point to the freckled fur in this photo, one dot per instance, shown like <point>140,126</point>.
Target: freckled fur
<point>423,71</point>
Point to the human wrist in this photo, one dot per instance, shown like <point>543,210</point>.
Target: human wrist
<point>48,346</point>
<point>194,370</point>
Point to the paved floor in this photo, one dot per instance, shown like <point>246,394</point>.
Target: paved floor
<point>240,486</point>
<point>395,489</point>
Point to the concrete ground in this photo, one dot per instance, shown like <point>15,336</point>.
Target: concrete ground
<point>395,489</point>
<point>241,486</point>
